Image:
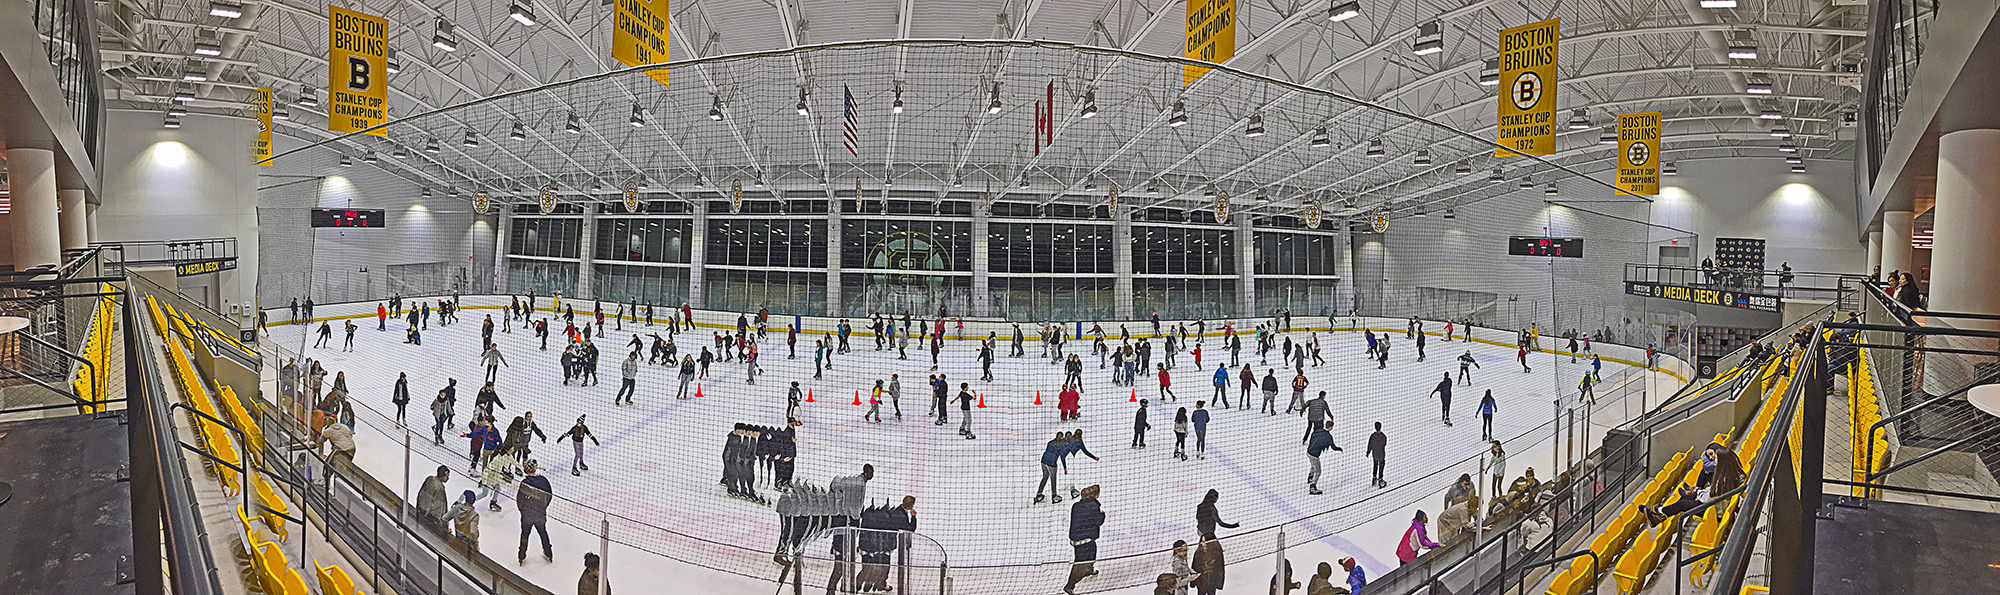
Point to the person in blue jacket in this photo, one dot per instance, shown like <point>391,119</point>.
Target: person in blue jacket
<point>1052,455</point>
<point>1074,446</point>
<point>1487,407</point>
<point>1200,419</point>
<point>1356,577</point>
<point>1222,385</point>
<point>1322,440</point>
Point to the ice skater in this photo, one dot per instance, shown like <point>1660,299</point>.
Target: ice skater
<point>1180,433</point>
<point>1140,425</point>
<point>493,361</point>
<point>576,434</point>
<point>1270,392</point>
<point>349,344</point>
<point>325,334</point>
<point>1166,385</point>
<point>1465,365</point>
<point>1200,419</point>
<point>1382,353</point>
<point>1443,392</point>
<point>1378,444</point>
<point>874,413</point>
<point>1319,442</point>
<point>1316,411</point>
<point>628,379</point>
<point>1299,384</point>
<point>895,393</point>
<point>1207,517</point>
<point>1487,407</point>
<point>1586,394</point>
<point>964,400</point>
<point>687,375</point>
<point>1522,354</point>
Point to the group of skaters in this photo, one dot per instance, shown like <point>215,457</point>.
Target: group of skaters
<point>1201,566</point>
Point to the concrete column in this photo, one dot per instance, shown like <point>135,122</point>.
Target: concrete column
<point>1963,276</point>
<point>1121,263</point>
<point>697,253</point>
<point>1874,252</point>
<point>31,181</point>
<point>982,265</point>
<point>833,258</point>
<point>503,233</point>
<point>586,258</point>
<point>1897,255</point>
<point>75,219</point>
<point>1246,266</point>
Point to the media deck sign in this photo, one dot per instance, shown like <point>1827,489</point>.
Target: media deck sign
<point>1697,295</point>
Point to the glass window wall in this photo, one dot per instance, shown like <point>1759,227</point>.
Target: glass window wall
<point>643,239</point>
<point>784,292</point>
<point>556,237</point>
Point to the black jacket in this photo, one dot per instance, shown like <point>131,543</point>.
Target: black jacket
<point>1084,518</point>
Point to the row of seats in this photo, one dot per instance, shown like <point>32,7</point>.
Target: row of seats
<point>268,560</point>
<point>1864,409</point>
<point>97,349</point>
<point>1610,543</point>
<point>1716,520</point>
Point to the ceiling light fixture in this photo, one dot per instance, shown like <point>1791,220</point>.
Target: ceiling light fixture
<point>518,10</point>
<point>431,146</point>
<point>176,109</point>
<point>1798,169</point>
<point>1489,74</point>
<point>308,96</point>
<point>1429,40</point>
<point>1496,177</point>
<point>207,48</point>
<point>1781,131</point>
<point>638,119</point>
<point>803,110</point>
<point>390,60</point>
<point>1579,120</point>
<point>1375,148</point>
<point>1551,190</point>
<point>1718,3</point>
<point>1757,85</point>
<point>1670,170</point>
<point>225,9</point>
<point>1256,128</point>
<point>1423,157</point>
<point>1527,182</point>
<point>1422,212</point>
<point>368,157</point>
<point>1609,136</point>
<point>1794,159</point>
<point>715,107</point>
<point>193,72</point>
<point>344,162</point>
<point>1319,138</point>
<point>278,112</point>
<point>896,107</point>
<point>1089,104</point>
<point>399,153</point>
<point>427,193</point>
<point>471,139</point>
<point>519,132</point>
<point>188,95</point>
<point>171,122</point>
<point>1743,48</point>
<point>993,100</point>
<point>1449,213</point>
<point>1787,148</point>
<point>1344,10</point>
<point>443,39</point>
<point>1179,117</point>
<point>1152,191</point>
<point>1771,113</point>
<point>1462,170</point>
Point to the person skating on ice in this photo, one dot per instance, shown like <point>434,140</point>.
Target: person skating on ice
<point>705,359</point>
<point>400,395</point>
<point>895,394</point>
<point>1382,352</point>
<point>1085,518</point>
<point>1270,392</point>
<point>1317,411</point>
<point>687,376</point>
<point>325,334</point>
<point>1320,441</point>
<point>1207,517</point>
<point>1180,433</point>
<point>874,413</point>
<point>1052,455</point>
<point>939,400</point>
<point>1299,384</point>
<point>1200,421</point>
<point>1487,407</point>
<point>1140,425</point>
<point>1443,392</point>
<point>1378,443</point>
<point>1585,393</point>
<point>1370,354</point>
<point>576,434</point>
<point>349,344</point>
<point>1573,348</point>
<point>1248,382</point>
<point>1522,354</point>
<point>964,400</point>
<point>1465,365</point>
<point>440,415</point>
<point>1420,346</point>
<point>628,379</point>
<point>1166,385</point>
<point>793,397</point>
<point>493,361</point>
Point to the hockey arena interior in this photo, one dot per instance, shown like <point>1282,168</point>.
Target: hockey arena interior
<point>727,297</point>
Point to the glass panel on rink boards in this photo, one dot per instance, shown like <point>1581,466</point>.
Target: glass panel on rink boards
<point>660,458</point>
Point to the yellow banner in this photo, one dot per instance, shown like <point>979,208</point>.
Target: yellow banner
<point>1528,89</point>
<point>640,35</point>
<point>260,148</point>
<point>357,71</point>
<point>1639,153</point>
<point>1211,35</point>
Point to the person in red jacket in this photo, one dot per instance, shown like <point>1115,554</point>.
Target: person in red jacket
<point>1166,385</point>
<point>1069,403</point>
<point>1415,538</point>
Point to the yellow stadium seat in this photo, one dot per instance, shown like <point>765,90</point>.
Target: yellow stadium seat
<point>278,576</point>
<point>334,581</point>
<point>270,500</point>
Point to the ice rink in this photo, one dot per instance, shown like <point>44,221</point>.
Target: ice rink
<point>655,474</point>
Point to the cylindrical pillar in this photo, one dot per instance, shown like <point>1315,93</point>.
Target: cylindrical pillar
<point>1121,263</point>
<point>1246,266</point>
<point>1874,254</point>
<point>503,232</point>
<point>833,247</point>
<point>1963,277</point>
<point>586,256</point>
<point>982,266</point>
<point>1897,254</point>
<point>697,253</point>
<point>31,184</point>
<point>74,217</point>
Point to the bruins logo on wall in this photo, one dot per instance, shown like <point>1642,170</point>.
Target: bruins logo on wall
<point>631,197</point>
<point>481,203</point>
<point>913,252</point>
<point>1379,220</point>
<point>548,199</point>
<point>735,197</point>
<point>1222,208</point>
<point>1114,201</point>
<point>1312,215</point>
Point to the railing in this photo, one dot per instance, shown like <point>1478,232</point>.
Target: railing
<point>1775,283</point>
<point>162,488</point>
<point>165,252</point>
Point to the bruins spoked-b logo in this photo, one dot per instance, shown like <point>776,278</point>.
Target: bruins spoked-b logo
<point>1637,153</point>
<point>1527,90</point>
<point>1379,220</point>
<point>631,196</point>
<point>908,253</point>
<point>736,197</point>
<point>548,199</point>
<point>1221,208</point>
<point>1114,201</point>
<point>1312,215</point>
<point>481,203</point>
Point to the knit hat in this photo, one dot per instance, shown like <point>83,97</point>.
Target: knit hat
<point>1347,564</point>
<point>469,497</point>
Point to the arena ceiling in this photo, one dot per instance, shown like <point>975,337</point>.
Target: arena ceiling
<point>1294,70</point>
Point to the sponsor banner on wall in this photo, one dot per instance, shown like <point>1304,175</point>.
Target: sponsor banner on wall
<point>1697,295</point>
<point>1639,153</point>
<point>357,71</point>
<point>1211,35</point>
<point>260,147</point>
<point>639,36</point>
<point>1528,89</point>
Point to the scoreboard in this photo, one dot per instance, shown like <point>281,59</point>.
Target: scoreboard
<point>349,217</point>
<point>1536,246</point>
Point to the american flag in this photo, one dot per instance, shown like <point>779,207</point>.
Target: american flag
<point>847,121</point>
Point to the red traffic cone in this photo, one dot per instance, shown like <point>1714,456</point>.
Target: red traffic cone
<point>982,400</point>
<point>857,397</point>
<point>809,395</point>
<point>697,391</point>
<point>1135,396</point>
<point>1038,397</point>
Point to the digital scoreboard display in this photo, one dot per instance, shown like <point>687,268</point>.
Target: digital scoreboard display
<point>349,217</point>
<point>1556,247</point>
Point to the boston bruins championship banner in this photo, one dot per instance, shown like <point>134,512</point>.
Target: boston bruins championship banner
<point>1528,89</point>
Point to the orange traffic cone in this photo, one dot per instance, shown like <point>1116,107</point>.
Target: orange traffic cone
<point>857,397</point>
<point>697,391</point>
<point>1038,397</point>
<point>1135,396</point>
<point>982,400</point>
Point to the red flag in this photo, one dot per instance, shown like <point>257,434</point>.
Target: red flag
<point>1045,120</point>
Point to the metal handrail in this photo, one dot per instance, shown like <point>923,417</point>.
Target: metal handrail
<point>189,565</point>
<point>1734,561</point>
